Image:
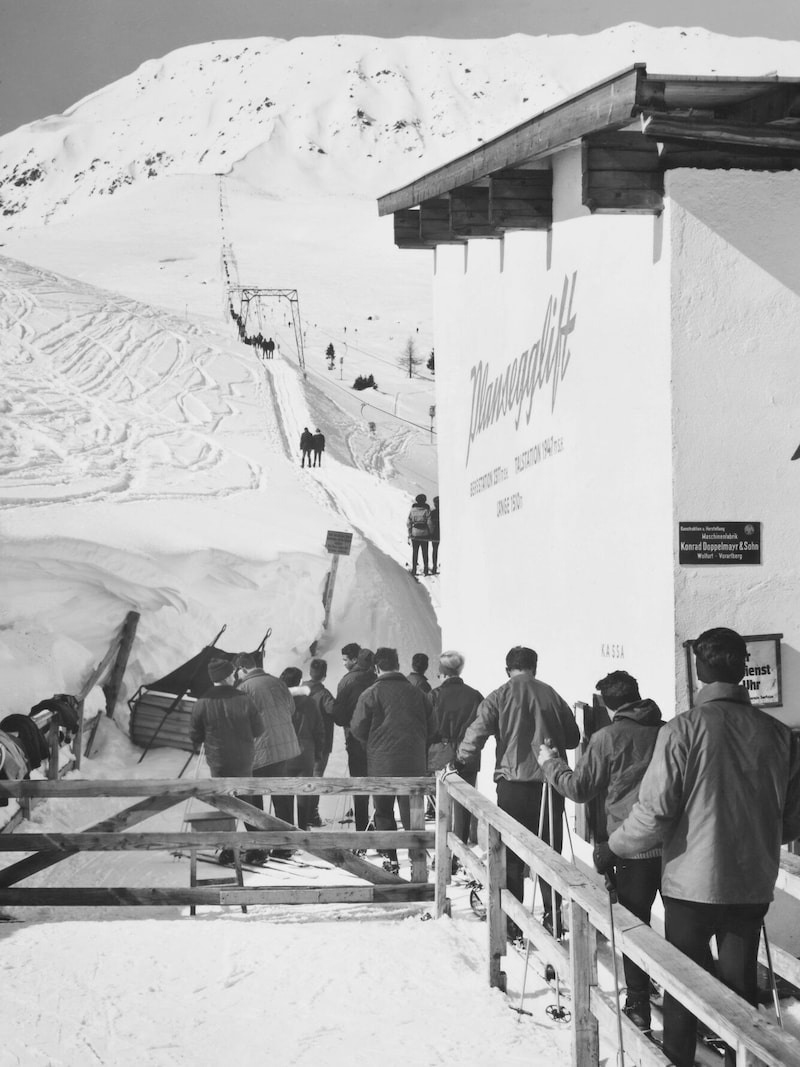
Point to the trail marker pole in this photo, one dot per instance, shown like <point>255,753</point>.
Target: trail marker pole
<point>338,544</point>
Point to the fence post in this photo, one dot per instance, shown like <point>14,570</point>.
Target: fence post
<point>444,805</point>
<point>583,965</point>
<point>52,762</point>
<point>496,919</point>
<point>418,856</point>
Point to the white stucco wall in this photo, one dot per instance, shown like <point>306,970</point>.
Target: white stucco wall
<point>735,277</point>
<point>579,563</point>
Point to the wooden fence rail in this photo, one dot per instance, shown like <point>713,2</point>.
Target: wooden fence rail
<point>334,846</point>
<point>755,1038</point>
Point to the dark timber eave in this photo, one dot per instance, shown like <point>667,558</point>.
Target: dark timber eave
<point>631,128</point>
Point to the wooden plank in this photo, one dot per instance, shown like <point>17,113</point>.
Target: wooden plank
<point>434,224</point>
<point>443,820</point>
<point>114,680</point>
<point>406,230</point>
<point>789,874</point>
<point>126,896</point>
<point>607,105</point>
<point>339,857</point>
<point>469,213</point>
<point>496,920</point>
<point>182,789</point>
<point>583,978</point>
<point>767,105</point>
<point>627,182</point>
<point>637,189</point>
<point>128,817</point>
<point>521,199</point>
<point>625,201</point>
<point>125,842</point>
<point>771,138</point>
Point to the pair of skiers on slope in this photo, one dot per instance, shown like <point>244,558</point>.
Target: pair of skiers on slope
<point>423,529</point>
<point>312,442</point>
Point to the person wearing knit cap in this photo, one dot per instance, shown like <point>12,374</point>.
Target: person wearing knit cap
<point>419,532</point>
<point>227,722</point>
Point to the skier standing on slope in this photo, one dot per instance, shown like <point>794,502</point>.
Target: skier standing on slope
<point>306,446</point>
<point>433,532</point>
<point>418,533</point>
<point>392,721</point>
<point>520,715</point>
<point>613,766</point>
<point>360,676</point>
<point>318,440</point>
<point>721,793</point>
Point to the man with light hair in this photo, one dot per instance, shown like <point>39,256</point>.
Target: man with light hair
<point>453,707</point>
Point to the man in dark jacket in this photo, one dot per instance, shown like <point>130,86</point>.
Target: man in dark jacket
<point>721,793</point>
<point>323,698</point>
<point>307,722</point>
<point>419,664</point>
<point>360,676</point>
<point>613,766</point>
<point>306,446</point>
<point>454,705</point>
<point>392,721</point>
<point>521,715</point>
<point>227,722</point>
<point>318,440</point>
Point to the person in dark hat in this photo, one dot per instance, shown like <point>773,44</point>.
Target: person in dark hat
<point>419,532</point>
<point>227,721</point>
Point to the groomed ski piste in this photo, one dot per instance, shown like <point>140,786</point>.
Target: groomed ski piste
<point>149,460</point>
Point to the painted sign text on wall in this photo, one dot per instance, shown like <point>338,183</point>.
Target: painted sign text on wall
<point>544,363</point>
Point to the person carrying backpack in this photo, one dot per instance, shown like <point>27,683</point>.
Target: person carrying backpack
<point>418,532</point>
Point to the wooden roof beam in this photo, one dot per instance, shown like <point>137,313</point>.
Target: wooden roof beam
<point>521,199</point>
<point>780,102</point>
<point>406,229</point>
<point>434,223</point>
<point>469,212</point>
<point>622,173</point>
<point>769,138</point>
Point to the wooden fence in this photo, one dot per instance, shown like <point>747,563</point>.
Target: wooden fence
<point>755,1038</point>
<point>334,846</point>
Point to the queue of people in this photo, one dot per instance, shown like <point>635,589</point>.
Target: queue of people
<point>695,808</point>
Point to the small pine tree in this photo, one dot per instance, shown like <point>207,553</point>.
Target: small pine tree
<point>409,359</point>
<point>431,364</point>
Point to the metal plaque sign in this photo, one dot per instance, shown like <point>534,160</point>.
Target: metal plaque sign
<point>338,542</point>
<point>719,543</point>
<point>762,675</point>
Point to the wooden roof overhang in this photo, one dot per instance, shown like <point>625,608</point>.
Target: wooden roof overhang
<point>631,128</point>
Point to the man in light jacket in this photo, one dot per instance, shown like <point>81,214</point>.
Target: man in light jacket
<point>278,743</point>
<point>613,766</point>
<point>720,795</point>
<point>392,721</point>
<point>521,715</point>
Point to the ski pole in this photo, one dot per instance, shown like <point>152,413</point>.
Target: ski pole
<point>519,1009</point>
<point>773,983</point>
<point>611,898</point>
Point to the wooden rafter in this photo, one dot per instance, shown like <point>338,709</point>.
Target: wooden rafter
<point>469,212</point>
<point>772,138</point>
<point>521,199</point>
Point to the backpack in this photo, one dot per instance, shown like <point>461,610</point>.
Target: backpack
<point>419,520</point>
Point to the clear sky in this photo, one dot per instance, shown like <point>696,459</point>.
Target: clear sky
<point>53,52</point>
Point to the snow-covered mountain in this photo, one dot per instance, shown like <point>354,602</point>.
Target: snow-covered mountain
<point>333,114</point>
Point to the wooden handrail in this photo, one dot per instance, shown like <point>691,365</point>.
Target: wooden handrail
<point>180,787</point>
<point>739,1024</point>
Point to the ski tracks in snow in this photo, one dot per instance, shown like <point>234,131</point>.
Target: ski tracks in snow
<point>106,398</point>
